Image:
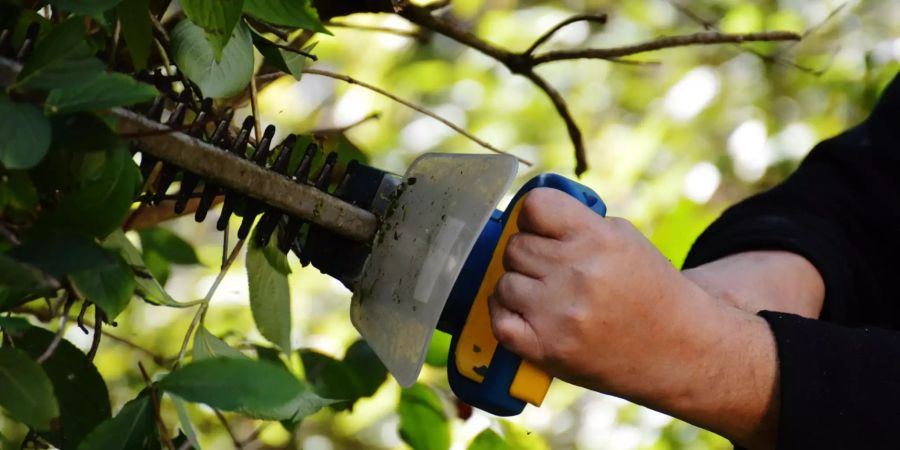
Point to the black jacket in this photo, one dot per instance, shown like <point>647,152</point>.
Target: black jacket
<point>840,375</point>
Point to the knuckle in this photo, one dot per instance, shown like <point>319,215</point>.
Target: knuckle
<point>505,286</point>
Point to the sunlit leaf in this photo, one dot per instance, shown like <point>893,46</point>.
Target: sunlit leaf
<point>27,393</point>
<point>104,91</point>
<point>216,17</point>
<point>134,427</point>
<point>24,134</point>
<point>187,427</point>
<point>423,422</point>
<point>257,389</point>
<point>196,58</point>
<point>489,440</point>
<point>270,298</point>
<point>438,349</point>
<point>520,438</point>
<point>206,345</point>
<point>294,13</point>
<point>81,392</point>
<point>146,285</point>
<point>168,245</point>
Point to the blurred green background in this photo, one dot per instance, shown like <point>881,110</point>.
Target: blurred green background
<point>670,145</point>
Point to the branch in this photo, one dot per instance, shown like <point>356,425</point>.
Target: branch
<point>414,34</point>
<point>411,105</point>
<point>154,400</point>
<point>702,38</point>
<point>524,63</point>
<point>595,18</point>
<point>344,128</point>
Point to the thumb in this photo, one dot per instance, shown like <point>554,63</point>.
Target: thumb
<point>513,331</point>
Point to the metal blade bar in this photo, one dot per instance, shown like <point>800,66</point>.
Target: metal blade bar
<point>302,201</point>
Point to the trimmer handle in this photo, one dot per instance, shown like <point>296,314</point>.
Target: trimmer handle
<point>481,372</point>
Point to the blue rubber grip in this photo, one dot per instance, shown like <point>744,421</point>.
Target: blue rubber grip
<point>492,395</point>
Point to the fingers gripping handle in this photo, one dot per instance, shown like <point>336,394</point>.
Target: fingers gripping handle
<point>482,373</point>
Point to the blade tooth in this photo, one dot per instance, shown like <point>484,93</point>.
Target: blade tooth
<point>271,216</point>
<point>263,148</point>
<point>190,180</point>
<point>168,172</point>
<point>324,176</point>
<point>4,38</point>
<point>253,207</point>
<point>239,148</point>
<point>301,175</point>
<point>211,190</point>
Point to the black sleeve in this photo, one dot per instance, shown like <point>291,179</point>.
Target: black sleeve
<point>839,376</point>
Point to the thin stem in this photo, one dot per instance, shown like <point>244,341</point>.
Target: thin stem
<point>98,332</point>
<point>594,18</point>
<point>201,311</point>
<point>408,104</point>
<point>413,34</point>
<point>237,443</point>
<point>154,400</point>
<point>343,129</point>
<point>63,320</point>
<point>254,108</point>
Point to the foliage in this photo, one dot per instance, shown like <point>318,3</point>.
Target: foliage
<point>87,292</point>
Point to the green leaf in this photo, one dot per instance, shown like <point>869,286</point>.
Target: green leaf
<point>134,427</point>
<point>86,7</point>
<point>520,438</point>
<point>331,378</point>
<point>99,204</point>
<point>107,90</point>
<point>81,392</point>
<point>134,17</point>
<point>18,191</point>
<point>488,440</point>
<point>185,419</point>
<point>44,251</point>
<point>109,286</point>
<point>438,349</point>
<point>292,13</point>
<point>146,286</point>
<point>363,361</point>
<point>82,132</point>
<point>27,393</point>
<point>217,18</point>
<point>18,280</point>
<point>423,423</point>
<point>207,345</point>
<point>257,389</point>
<point>13,324</point>
<point>270,297</point>
<point>24,135</point>
<point>284,60</point>
<point>168,245</point>
<point>61,59</point>
<point>196,58</point>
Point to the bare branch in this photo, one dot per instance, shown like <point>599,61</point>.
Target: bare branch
<point>342,129</point>
<point>414,34</point>
<point>411,105</point>
<point>594,18</point>
<point>154,400</point>
<point>560,104</point>
<point>702,38</point>
<point>63,320</point>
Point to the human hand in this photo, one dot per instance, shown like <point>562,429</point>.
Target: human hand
<point>591,301</point>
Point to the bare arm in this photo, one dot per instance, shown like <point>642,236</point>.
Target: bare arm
<point>763,280</point>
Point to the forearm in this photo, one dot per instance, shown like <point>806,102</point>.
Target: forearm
<point>763,280</point>
<point>718,370</point>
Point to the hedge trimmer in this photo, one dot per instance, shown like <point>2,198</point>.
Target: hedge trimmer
<point>419,251</point>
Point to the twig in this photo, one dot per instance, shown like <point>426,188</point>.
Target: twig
<point>701,38</point>
<point>343,129</point>
<point>594,18</point>
<point>8,235</point>
<point>254,109</point>
<point>408,104</point>
<point>64,318</point>
<point>563,109</point>
<point>163,430</point>
<point>237,443</point>
<point>115,44</point>
<point>413,34</point>
<point>98,331</point>
<point>80,320</point>
<point>201,311</point>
